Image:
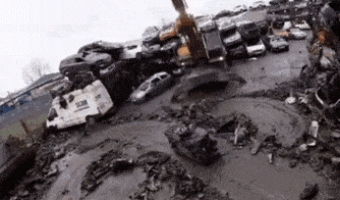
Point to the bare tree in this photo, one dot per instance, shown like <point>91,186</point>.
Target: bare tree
<point>35,70</point>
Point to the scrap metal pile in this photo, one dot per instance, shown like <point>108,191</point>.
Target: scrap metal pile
<point>322,77</point>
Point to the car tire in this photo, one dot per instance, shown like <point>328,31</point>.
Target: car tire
<point>49,130</point>
<point>90,122</point>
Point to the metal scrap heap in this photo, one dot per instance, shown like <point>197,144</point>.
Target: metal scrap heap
<point>193,142</point>
<point>322,78</point>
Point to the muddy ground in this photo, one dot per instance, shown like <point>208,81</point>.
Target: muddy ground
<point>128,155</point>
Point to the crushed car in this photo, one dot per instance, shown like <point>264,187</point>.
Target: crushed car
<point>275,43</point>
<point>240,9</point>
<point>151,87</point>
<point>248,30</point>
<point>223,13</point>
<point>229,35</point>
<point>257,5</point>
<point>151,43</point>
<point>296,34</point>
<point>212,41</point>
<point>114,49</point>
<point>238,52</point>
<point>278,23</point>
<point>85,61</point>
<point>256,49</point>
<point>79,106</point>
<point>301,24</point>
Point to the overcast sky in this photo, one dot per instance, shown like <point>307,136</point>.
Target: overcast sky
<point>53,30</point>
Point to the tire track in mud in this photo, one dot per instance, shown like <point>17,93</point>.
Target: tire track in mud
<point>272,117</point>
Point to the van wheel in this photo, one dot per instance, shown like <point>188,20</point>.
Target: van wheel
<point>91,121</point>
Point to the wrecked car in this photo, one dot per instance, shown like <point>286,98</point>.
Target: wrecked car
<point>79,106</point>
<point>296,34</point>
<point>84,62</point>
<point>168,32</point>
<point>275,43</point>
<point>113,49</point>
<point>151,36</point>
<point>151,87</point>
<point>229,35</point>
<point>278,23</point>
<point>256,49</point>
<point>212,41</point>
<point>238,52</point>
<point>193,143</point>
<point>240,9</point>
<point>151,43</point>
<point>248,30</point>
<point>301,24</point>
<point>131,52</point>
<point>223,13</point>
<point>263,26</point>
<point>257,5</point>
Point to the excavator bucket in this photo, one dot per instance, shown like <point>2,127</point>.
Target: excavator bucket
<point>179,5</point>
<point>201,76</point>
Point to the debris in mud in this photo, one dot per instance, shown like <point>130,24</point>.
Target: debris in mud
<point>109,163</point>
<point>165,177</point>
<point>39,178</point>
<point>256,146</point>
<point>239,124</point>
<point>162,170</point>
<point>281,92</point>
<point>193,142</point>
<point>310,191</point>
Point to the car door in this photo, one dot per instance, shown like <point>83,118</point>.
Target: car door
<point>155,86</point>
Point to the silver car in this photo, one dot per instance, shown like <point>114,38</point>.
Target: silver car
<point>297,34</point>
<point>156,84</point>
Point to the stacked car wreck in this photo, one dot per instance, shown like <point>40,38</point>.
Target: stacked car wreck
<point>324,70</point>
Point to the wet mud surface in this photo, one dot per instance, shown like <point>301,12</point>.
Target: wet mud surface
<point>259,138</point>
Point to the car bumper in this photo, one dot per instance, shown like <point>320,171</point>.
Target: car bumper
<point>256,53</point>
<point>279,49</point>
<point>233,43</point>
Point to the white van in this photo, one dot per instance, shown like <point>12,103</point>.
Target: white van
<point>78,106</point>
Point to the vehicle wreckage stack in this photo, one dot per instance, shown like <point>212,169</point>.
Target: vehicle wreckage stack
<point>323,76</point>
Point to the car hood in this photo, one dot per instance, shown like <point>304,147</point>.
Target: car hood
<point>85,58</point>
<point>137,95</point>
<point>255,47</point>
<point>299,33</point>
<point>232,38</point>
<point>277,44</point>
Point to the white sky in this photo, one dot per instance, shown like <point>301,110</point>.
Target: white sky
<point>55,29</point>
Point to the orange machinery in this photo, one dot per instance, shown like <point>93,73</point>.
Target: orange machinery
<point>193,48</point>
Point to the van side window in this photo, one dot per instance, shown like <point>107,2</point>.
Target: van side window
<point>52,114</point>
